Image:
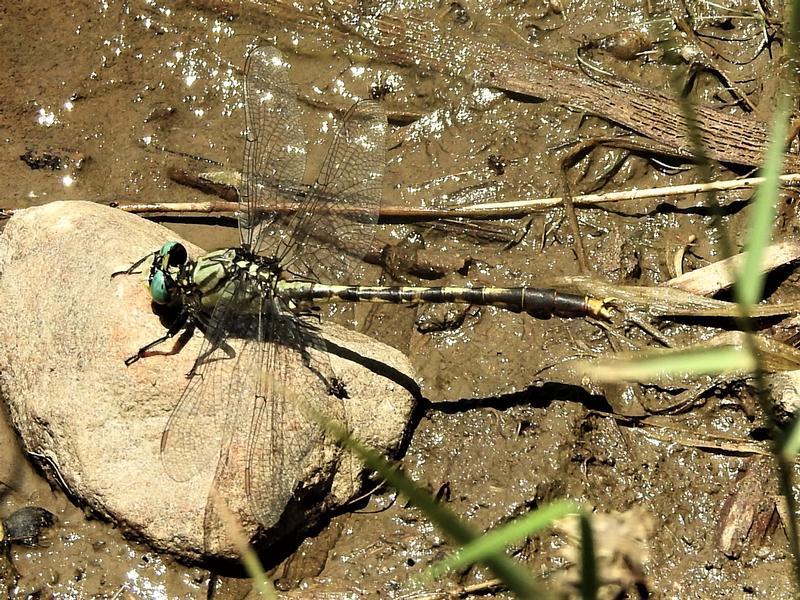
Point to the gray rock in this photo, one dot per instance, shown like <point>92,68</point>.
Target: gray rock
<point>66,327</point>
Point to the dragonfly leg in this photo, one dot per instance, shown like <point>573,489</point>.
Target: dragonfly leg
<point>308,324</point>
<point>131,270</point>
<point>202,324</point>
<point>338,389</point>
<point>180,323</point>
<point>226,348</point>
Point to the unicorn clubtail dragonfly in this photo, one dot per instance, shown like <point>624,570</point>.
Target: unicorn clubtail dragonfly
<point>260,291</point>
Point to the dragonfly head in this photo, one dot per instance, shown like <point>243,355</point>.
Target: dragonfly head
<point>167,265</point>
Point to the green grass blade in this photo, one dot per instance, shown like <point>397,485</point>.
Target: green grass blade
<point>497,540</point>
<point>247,555</point>
<point>262,586</point>
<point>589,581</point>
<point>792,444</point>
<point>682,362</point>
<point>750,281</point>
<point>517,579</point>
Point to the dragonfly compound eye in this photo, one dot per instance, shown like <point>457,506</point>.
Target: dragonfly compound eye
<point>177,255</point>
<point>172,254</point>
<point>161,287</point>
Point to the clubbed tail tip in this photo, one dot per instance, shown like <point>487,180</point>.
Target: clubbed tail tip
<point>601,309</point>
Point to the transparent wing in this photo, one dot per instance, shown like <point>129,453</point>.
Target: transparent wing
<point>255,411</point>
<point>275,146</point>
<point>290,384</point>
<point>205,415</point>
<point>252,414</point>
<point>277,382</point>
<point>335,224</point>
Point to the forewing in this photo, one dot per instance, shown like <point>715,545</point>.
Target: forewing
<point>275,147</point>
<point>335,221</point>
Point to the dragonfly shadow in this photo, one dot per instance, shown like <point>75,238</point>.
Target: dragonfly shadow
<point>535,396</point>
<point>376,366</point>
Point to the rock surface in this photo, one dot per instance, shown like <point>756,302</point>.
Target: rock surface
<point>66,327</point>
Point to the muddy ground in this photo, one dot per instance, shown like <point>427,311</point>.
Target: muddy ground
<point>105,99</point>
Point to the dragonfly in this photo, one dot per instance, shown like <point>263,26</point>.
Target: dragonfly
<point>263,291</point>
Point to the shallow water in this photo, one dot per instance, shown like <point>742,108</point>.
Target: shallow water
<point>116,89</point>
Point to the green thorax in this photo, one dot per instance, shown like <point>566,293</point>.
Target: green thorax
<point>213,272</point>
<point>199,285</point>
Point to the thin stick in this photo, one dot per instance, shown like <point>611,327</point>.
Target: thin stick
<point>519,207</point>
<point>218,206</point>
<point>494,210</point>
<point>572,218</point>
<point>481,588</point>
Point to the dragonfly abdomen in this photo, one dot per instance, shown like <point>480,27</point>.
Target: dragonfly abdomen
<point>539,302</point>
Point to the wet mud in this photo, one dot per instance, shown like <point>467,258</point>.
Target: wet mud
<point>102,100</point>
